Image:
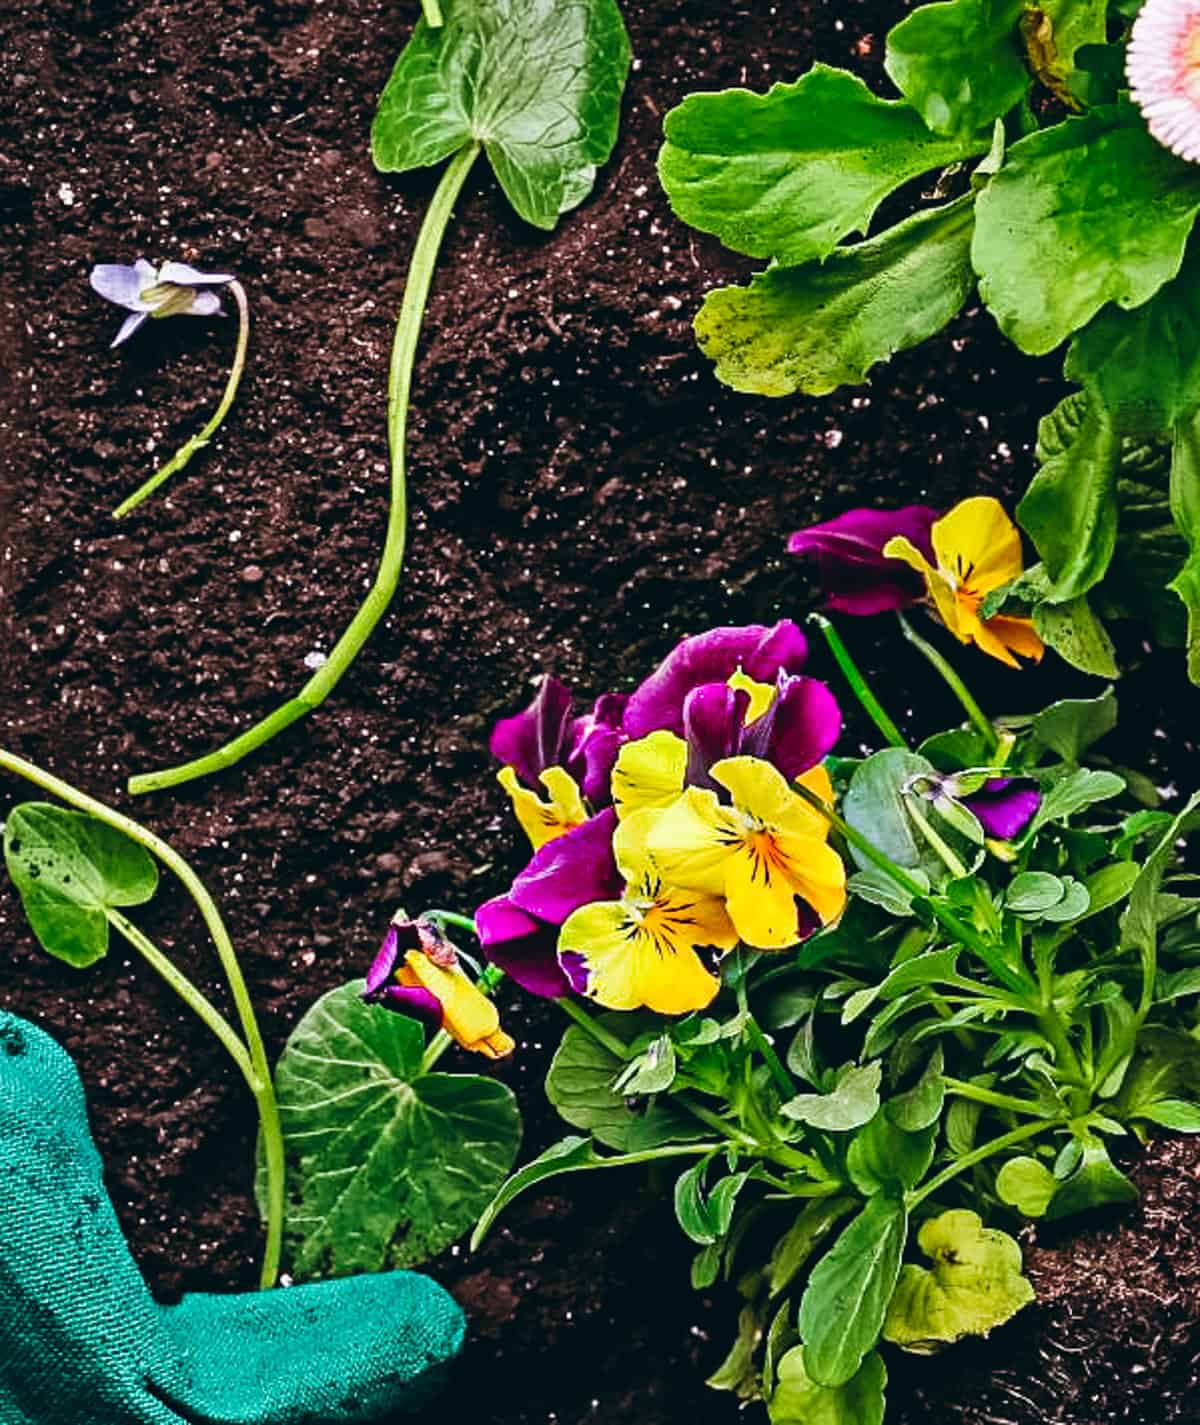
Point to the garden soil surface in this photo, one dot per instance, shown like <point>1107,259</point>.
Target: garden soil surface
<point>583,493</point>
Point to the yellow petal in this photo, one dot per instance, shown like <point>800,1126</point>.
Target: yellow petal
<point>811,822</point>
<point>690,841</point>
<point>978,544</point>
<point>649,772</point>
<point>898,547</point>
<point>816,871</point>
<point>542,821</point>
<point>768,878</point>
<point>762,695</point>
<point>635,959</point>
<point>1017,634</point>
<point>757,788</point>
<point>630,849</point>
<point>468,1016</point>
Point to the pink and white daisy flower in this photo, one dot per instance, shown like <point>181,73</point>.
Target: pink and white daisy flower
<point>1163,66</point>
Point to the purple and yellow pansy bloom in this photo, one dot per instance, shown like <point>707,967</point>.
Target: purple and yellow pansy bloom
<point>873,560</point>
<point>417,973</point>
<point>764,851</point>
<point>656,946</point>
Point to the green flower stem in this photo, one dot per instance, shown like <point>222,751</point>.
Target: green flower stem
<point>597,1031</point>
<point>192,996</point>
<point>977,1155</point>
<point>714,1120</point>
<point>1065,1059</point>
<point>943,850</point>
<point>198,442</point>
<point>783,1080</point>
<point>1010,1104</point>
<point>433,14</point>
<point>858,684</point>
<point>460,922</point>
<point>441,1041</point>
<point>404,350</point>
<point>261,1085</point>
<point>974,712</point>
<point>958,928</point>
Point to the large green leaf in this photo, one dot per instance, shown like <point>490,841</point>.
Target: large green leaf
<point>824,324</point>
<point>843,1307</point>
<point>1072,725</point>
<point>580,1085</point>
<point>70,870</point>
<point>1185,507</point>
<point>796,1245</point>
<point>876,805</point>
<point>799,1400</point>
<point>1140,922</point>
<point>1095,1183</point>
<point>975,1284</point>
<point>790,173</point>
<point>537,82</point>
<point>959,63</point>
<point>386,1165</point>
<point>853,1101</point>
<point>1089,211</point>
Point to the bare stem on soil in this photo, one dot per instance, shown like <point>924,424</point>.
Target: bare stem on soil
<point>404,350</point>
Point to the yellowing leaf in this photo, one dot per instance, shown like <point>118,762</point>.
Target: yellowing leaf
<point>975,1283</point>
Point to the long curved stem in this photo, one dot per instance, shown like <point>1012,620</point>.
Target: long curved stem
<point>261,1085</point>
<point>979,719</point>
<point>858,684</point>
<point>404,349</point>
<point>198,442</point>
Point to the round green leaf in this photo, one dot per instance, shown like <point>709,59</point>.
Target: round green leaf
<point>851,1103</point>
<point>70,870</point>
<point>537,82</point>
<point>386,1165</point>
<point>974,1285</point>
<point>1027,1185</point>
<point>799,1400</point>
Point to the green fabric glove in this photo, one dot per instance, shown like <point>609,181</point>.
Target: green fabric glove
<point>82,1342</point>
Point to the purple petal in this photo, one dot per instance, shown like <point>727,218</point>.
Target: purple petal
<point>123,282</point>
<point>413,1001</point>
<point>204,304</point>
<point>762,653</point>
<point>535,739</point>
<point>593,743</point>
<point>798,729</point>
<point>1005,806</point>
<point>855,578</point>
<point>571,871</point>
<point>183,275</point>
<point>131,323</point>
<point>576,970</point>
<point>712,727</point>
<point>399,938</point>
<point>522,946</point>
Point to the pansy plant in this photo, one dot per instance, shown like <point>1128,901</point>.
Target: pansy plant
<point>1058,144</point>
<point>176,289</point>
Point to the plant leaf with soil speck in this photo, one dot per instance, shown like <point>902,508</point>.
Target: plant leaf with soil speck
<point>386,1165</point>
<point>70,869</point>
<point>825,324</point>
<point>537,82</point>
<point>790,173</point>
<point>974,1285</point>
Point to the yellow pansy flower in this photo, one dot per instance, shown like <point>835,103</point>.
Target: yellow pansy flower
<point>977,549</point>
<point>648,948</point>
<point>767,855</point>
<point>468,1016</point>
<point>541,820</point>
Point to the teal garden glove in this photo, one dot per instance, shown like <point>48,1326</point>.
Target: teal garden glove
<point>82,1342</point>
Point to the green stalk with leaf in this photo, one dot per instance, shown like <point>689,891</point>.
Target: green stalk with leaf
<point>535,87</point>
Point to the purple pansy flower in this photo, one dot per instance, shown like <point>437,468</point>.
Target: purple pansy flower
<point>760,652</point>
<point>855,577</point>
<point>795,733</point>
<point>412,1000</point>
<point>519,931</point>
<point>1004,806</point>
<point>174,289</point>
<point>547,734</point>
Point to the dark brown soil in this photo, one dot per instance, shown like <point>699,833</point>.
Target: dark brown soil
<point>583,493</point>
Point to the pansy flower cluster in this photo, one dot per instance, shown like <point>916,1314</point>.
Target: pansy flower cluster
<point>671,829</point>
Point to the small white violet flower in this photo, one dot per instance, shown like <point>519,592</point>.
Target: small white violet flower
<point>172,290</point>
<point>1163,67</point>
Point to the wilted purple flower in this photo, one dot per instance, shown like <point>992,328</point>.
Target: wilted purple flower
<point>855,577</point>
<point>173,290</point>
<point>1004,806</point>
<point>381,986</point>
<point>519,931</point>
<point>759,652</point>
<point>547,734</point>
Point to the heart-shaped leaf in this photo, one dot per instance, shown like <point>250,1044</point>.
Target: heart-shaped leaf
<point>799,1400</point>
<point>853,1101</point>
<point>975,1284</point>
<point>537,82</point>
<point>70,870</point>
<point>386,1165</point>
<point>1027,1185</point>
